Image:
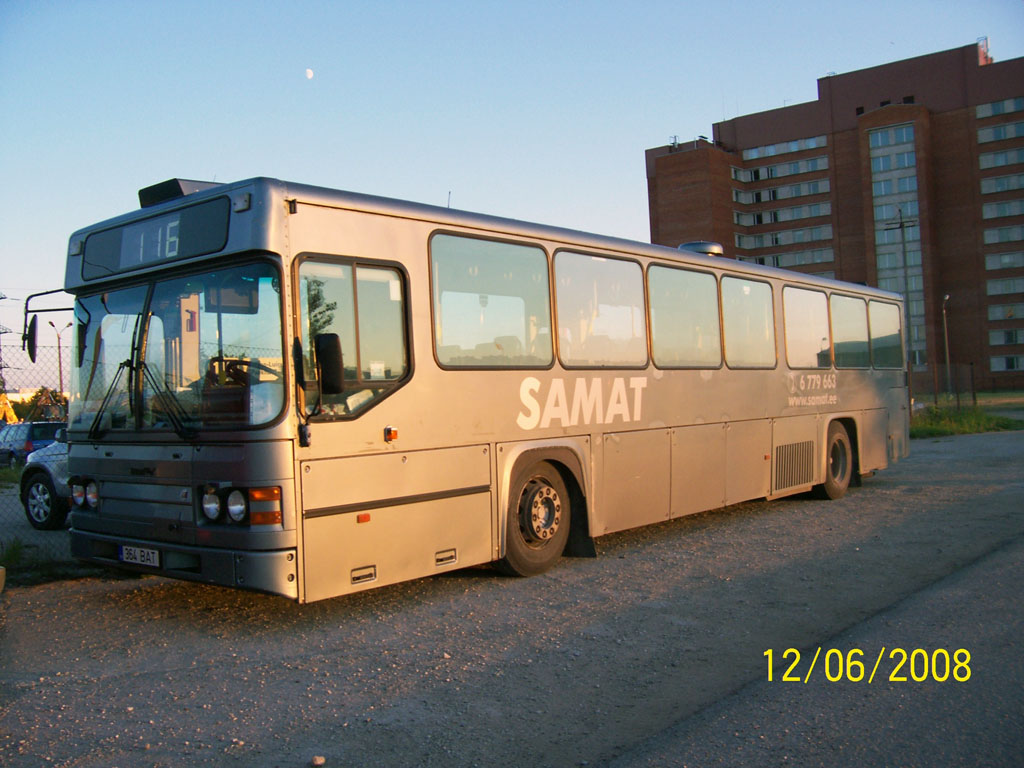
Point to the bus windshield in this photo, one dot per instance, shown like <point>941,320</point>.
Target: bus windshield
<point>181,353</point>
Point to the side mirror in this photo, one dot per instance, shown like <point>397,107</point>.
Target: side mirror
<point>28,341</point>
<point>61,436</point>
<point>331,372</point>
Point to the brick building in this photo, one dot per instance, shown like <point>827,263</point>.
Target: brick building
<point>905,175</point>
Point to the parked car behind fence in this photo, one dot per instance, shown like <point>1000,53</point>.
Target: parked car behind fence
<point>44,485</point>
<point>18,440</point>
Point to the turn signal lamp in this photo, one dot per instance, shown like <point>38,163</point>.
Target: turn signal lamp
<point>265,506</point>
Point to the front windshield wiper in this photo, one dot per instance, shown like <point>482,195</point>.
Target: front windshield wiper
<point>94,429</point>
<point>173,409</point>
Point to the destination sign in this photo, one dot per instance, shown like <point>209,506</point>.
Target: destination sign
<point>184,233</point>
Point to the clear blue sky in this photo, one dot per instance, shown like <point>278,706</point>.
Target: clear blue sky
<point>534,110</point>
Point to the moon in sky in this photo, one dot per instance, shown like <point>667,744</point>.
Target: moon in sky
<point>309,74</point>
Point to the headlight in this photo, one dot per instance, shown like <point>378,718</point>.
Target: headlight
<point>236,506</point>
<point>211,505</point>
<point>78,495</point>
<point>92,495</point>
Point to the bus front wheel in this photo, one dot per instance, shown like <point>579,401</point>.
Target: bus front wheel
<point>838,462</point>
<point>539,517</point>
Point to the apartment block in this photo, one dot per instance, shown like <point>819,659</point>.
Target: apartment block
<point>908,176</point>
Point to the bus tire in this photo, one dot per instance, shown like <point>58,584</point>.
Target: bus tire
<point>838,462</point>
<point>538,520</point>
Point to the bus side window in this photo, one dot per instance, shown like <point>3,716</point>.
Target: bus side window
<point>602,320</point>
<point>373,341</point>
<point>805,315</point>
<point>849,331</point>
<point>886,344</point>
<point>491,305</point>
<point>749,323</point>
<point>684,318</point>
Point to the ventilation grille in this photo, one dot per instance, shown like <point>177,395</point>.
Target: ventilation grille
<point>794,464</point>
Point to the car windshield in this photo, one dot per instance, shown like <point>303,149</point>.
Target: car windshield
<point>183,353</point>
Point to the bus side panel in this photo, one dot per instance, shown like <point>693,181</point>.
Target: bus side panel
<point>342,554</point>
<point>872,436</point>
<point>748,460</point>
<point>698,469</point>
<point>899,424</point>
<point>795,453</point>
<point>636,474</point>
<point>375,520</point>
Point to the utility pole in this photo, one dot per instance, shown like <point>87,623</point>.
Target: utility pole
<point>902,225</point>
<point>945,334</point>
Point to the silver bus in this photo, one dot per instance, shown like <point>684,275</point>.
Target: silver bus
<point>312,392</point>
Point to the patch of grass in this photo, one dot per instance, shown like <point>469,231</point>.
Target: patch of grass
<point>940,422</point>
<point>45,572</point>
<point>10,475</point>
<point>1012,398</point>
<point>24,569</point>
<point>12,553</point>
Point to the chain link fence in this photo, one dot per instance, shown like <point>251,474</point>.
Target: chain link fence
<point>32,394</point>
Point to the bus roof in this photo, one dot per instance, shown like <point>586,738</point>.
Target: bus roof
<point>170,195</point>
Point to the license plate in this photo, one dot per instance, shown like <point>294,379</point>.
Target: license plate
<point>139,556</point>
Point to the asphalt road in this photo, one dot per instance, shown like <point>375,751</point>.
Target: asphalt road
<point>653,654</point>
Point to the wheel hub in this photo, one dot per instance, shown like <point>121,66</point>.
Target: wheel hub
<point>540,512</point>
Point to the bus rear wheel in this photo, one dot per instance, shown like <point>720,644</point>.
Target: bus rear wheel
<point>838,462</point>
<point>538,520</point>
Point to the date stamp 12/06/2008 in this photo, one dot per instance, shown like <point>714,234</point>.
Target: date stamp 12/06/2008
<point>895,665</point>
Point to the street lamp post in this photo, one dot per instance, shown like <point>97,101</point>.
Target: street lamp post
<point>60,357</point>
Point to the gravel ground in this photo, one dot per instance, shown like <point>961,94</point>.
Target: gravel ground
<point>650,655</point>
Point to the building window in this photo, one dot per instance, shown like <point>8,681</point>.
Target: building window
<point>1004,260</point>
<point>906,184</point>
<point>1001,338</point>
<point>815,187</point>
<point>794,259</point>
<point>891,211</point>
<point>1002,183</point>
<point>891,135</point>
<point>882,163</point>
<point>1005,208</point>
<point>894,284</point>
<point>1003,107</point>
<point>797,145</point>
<point>1005,286</point>
<point>1000,132</point>
<point>1005,311</point>
<point>782,214</point>
<point>904,160</point>
<point>911,233</point>
<point>1007,363</point>
<point>999,159</point>
<point>785,169</point>
<point>784,237</point>
<point>1004,235</point>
